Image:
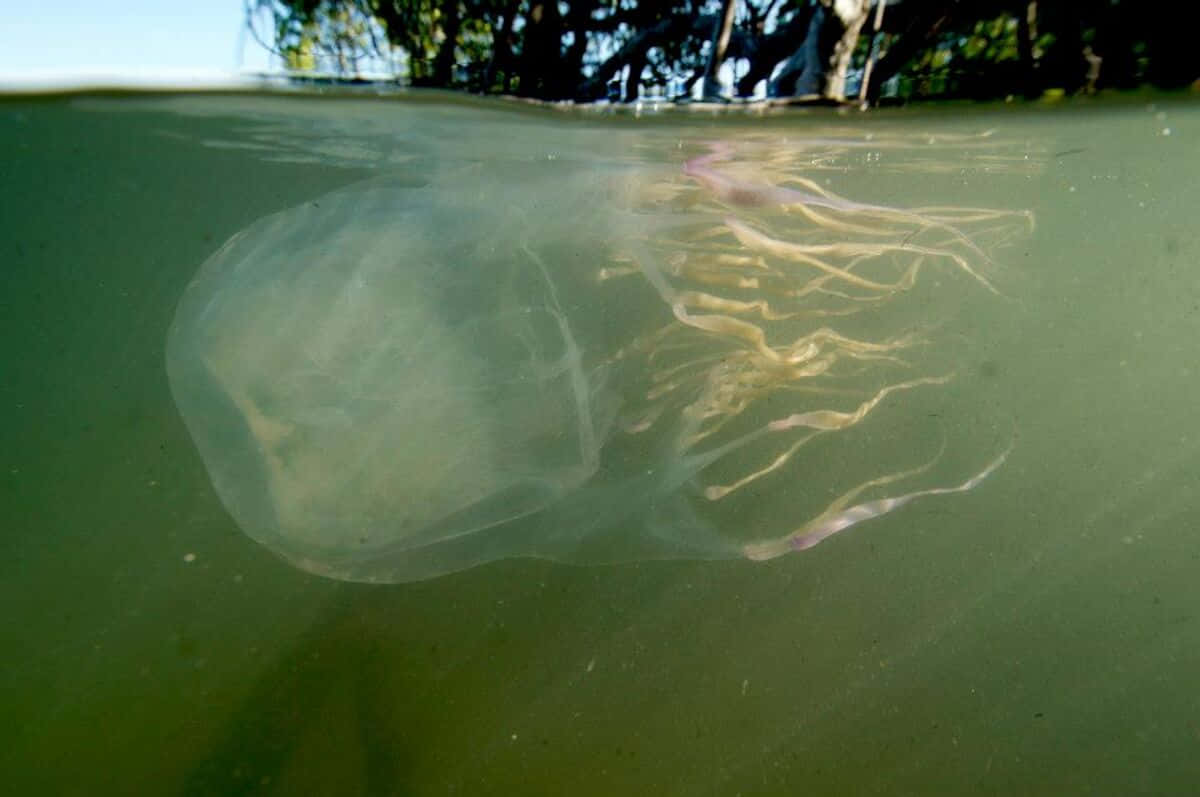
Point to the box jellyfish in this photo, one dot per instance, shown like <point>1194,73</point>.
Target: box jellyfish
<point>399,380</point>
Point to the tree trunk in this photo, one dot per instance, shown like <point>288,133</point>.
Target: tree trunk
<point>443,63</point>
<point>720,45</point>
<point>1026,35</point>
<point>633,80</point>
<point>852,15</point>
<point>873,55</point>
<point>541,51</point>
<point>924,25</point>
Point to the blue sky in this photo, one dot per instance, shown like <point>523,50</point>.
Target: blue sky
<point>72,41</point>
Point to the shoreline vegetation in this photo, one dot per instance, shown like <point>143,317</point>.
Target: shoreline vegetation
<point>750,53</point>
<point>700,55</point>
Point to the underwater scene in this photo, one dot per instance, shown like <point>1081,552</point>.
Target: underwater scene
<point>427,444</point>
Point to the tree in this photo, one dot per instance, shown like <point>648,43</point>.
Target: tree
<point>575,49</point>
<point>719,48</point>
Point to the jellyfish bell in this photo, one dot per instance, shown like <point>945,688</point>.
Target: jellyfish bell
<point>373,377</point>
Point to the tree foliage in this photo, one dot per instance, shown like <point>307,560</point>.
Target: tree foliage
<point>589,49</point>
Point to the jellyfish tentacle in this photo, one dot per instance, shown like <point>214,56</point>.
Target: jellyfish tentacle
<point>787,251</point>
<point>830,420</point>
<point>835,518</point>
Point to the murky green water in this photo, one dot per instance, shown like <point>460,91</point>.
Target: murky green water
<point>1037,634</point>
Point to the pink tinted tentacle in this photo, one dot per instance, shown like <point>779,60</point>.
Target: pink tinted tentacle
<point>825,525</point>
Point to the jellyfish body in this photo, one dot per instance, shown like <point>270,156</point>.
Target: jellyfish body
<point>370,396</point>
<point>401,380</point>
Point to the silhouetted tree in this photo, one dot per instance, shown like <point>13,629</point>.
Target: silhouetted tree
<point>574,49</point>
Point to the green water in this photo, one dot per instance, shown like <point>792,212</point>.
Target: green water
<point>1036,635</point>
